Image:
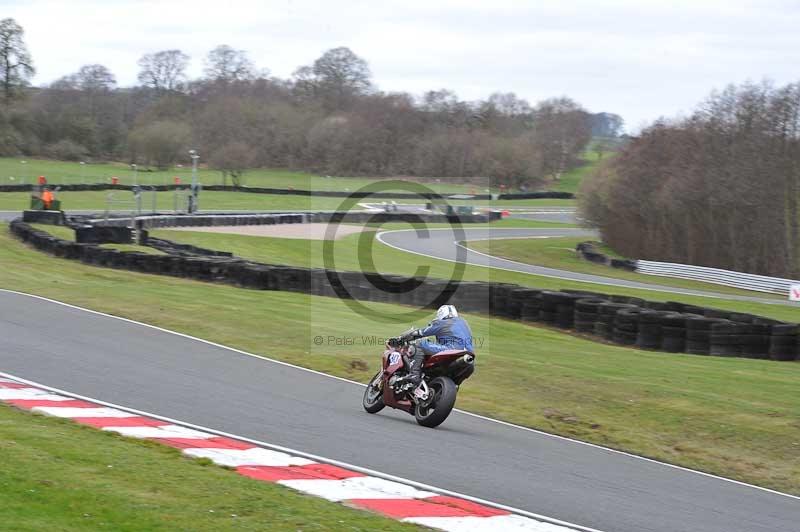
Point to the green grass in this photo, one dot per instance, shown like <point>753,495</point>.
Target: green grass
<point>64,172</point>
<point>560,253</point>
<point>58,231</point>
<point>66,233</point>
<point>571,181</point>
<point>351,253</point>
<point>734,417</point>
<point>58,475</point>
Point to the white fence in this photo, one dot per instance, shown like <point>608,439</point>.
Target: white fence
<point>747,281</point>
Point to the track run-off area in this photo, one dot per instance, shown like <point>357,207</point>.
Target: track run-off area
<point>153,370</point>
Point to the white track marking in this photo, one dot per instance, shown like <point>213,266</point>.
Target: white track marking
<point>506,523</point>
<point>343,464</point>
<point>356,488</point>
<point>164,431</point>
<point>63,411</point>
<point>247,457</point>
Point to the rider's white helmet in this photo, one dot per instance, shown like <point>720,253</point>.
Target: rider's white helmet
<point>446,311</point>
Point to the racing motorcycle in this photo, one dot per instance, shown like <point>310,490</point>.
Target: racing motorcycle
<point>430,402</point>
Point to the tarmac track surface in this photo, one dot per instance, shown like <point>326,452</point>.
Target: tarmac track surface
<point>148,369</point>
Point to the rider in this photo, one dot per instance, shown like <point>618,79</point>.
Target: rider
<point>451,332</point>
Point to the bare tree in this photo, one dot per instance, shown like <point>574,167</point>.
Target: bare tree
<point>225,64</point>
<point>158,143</point>
<point>16,66</point>
<point>95,78</point>
<point>163,71</point>
<point>562,131</point>
<point>232,159</point>
<point>337,77</point>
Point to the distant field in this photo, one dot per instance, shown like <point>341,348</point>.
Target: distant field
<point>12,170</point>
<point>571,181</point>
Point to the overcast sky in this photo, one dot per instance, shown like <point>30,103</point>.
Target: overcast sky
<point>638,58</point>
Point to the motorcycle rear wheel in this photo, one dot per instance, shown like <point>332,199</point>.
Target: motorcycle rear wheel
<point>373,396</point>
<point>434,411</point>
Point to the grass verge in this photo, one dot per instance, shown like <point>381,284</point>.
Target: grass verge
<point>738,418</point>
<point>57,475</point>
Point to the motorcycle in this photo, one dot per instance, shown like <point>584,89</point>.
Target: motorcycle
<point>430,402</point>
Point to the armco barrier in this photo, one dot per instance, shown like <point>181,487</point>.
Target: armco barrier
<point>670,326</point>
<point>299,192</point>
<point>746,281</point>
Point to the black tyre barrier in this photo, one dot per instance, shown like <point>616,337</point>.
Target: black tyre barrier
<point>44,217</point>
<point>783,342</point>
<point>90,234</point>
<point>671,327</point>
<point>586,313</point>
<point>294,192</point>
<point>587,251</point>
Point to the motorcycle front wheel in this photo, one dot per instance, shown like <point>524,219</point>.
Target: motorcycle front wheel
<point>373,395</point>
<point>435,410</point>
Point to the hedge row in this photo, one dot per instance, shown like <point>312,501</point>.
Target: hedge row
<point>296,192</point>
<point>670,327</point>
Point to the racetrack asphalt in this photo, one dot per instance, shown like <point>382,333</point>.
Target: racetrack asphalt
<point>445,244</point>
<point>152,370</point>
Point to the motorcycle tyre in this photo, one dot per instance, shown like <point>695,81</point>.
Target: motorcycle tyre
<point>445,402</point>
<point>375,406</point>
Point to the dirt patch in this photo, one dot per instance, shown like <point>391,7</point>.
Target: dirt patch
<point>302,231</point>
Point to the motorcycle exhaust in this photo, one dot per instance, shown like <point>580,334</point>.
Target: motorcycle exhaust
<point>462,368</point>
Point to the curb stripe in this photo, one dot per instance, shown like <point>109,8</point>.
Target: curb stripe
<point>309,471</point>
<point>395,499</point>
<point>103,422</point>
<point>438,506</point>
<point>210,443</point>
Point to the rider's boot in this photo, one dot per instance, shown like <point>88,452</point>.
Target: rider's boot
<point>414,376</point>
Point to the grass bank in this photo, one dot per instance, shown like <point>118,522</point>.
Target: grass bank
<point>734,417</point>
<point>57,475</point>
